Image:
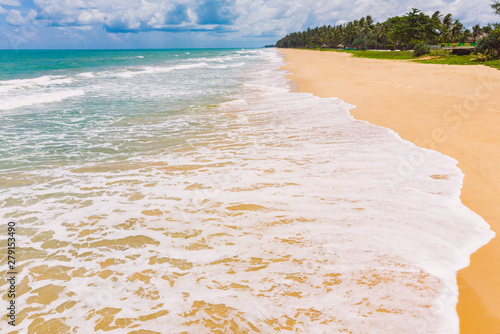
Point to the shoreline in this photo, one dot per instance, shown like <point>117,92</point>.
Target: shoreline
<point>448,108</point>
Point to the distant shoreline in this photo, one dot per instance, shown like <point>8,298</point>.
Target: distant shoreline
<point>414,100</point>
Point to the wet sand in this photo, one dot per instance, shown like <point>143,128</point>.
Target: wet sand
<point>452,109</point>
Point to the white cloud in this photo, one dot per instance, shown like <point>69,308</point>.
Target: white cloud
<point>245,17</point>
<point>13,3</point>
<point>83,28</point>
<point>3,10</point>
<point>16,19</point>
<point>121,15</point>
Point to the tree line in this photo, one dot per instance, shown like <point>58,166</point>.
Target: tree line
<point>396,32</point>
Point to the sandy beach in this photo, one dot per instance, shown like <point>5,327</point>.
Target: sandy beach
<point>452,109</point>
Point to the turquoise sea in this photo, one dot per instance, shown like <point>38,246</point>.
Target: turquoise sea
<point>78,105</point>
<point>191,191</point>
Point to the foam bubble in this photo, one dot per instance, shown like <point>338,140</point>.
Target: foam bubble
<point>87,75</point>
<point>47,80</point>
<point>29,100</point>
<point>271,211</point>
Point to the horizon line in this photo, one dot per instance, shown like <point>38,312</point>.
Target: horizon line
<point>130,49</point>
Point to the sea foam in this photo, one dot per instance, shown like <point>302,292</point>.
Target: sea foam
<point>272,211</point>
<point>23,101</point>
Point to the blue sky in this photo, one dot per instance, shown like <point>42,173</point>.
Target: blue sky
<point>68,24</point>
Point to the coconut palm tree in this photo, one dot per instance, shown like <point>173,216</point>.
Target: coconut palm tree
<point>436,20</point>
<point>369,22</point>
<point>380,33</point>
<point>437,16</point>
<point>457,31</point>
<point>496,6</point>
<point>466,36</point>
<point>404,30</point>
<point>476,32</point>
<point>446,26</point>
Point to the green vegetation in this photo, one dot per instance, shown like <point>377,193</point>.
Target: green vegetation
<point>434,57</point>
<point>414,30</point>
<point>421,49</point>
<point>489,46</point>
<point>496,6</point>
<point>403,55</point>
<point>401,32</point>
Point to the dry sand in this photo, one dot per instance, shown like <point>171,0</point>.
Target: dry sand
<point>452,109</point>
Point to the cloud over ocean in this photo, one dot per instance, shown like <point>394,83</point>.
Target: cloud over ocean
<point>188,23</point>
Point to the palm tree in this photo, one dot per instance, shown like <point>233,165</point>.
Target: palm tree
<point>380,33</point>
<point>403,30</point>
<point>496,6</point>
<point>437,15</point>
<point>434,27</point>
<point>487,29</point>
<point>456,31</point>
<point>446,26</point>
<point>476,32</point>
<point>436,19</point>
<point>369,22</point>
<point>466,36</point>
<point>350,33</point>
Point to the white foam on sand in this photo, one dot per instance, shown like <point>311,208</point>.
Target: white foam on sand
<point>286,215</point>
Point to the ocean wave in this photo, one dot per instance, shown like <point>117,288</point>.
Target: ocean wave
<point>47,80</point>
<point>153,69</point>
<point>227,66</point>
<point>160,69</point>
<point>24,101</point>
<point>269,206</point>
<point>214,59</point>
<point>236,103</point>
<point>86,75</point>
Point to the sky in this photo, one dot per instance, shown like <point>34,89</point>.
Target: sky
<point>110,24</point>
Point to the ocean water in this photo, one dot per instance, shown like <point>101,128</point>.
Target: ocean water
<point>190,191</point>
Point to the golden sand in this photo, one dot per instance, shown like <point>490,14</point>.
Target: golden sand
<point>452,109</point>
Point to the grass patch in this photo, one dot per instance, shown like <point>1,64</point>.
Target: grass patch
<point>373,54</point>
<point>440,58</point>
<point>493,63</point>
<point>435,57</point>
<point>382,54</point>
<point>449,60</point>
